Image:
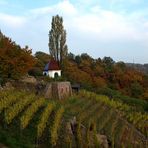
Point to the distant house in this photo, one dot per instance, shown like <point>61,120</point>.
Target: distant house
<point>52,69</point>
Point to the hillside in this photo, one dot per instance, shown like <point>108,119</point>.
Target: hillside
<point>31,121</point>
<point>104,76</point>
<point>141,67</point>
<point>111,108</point>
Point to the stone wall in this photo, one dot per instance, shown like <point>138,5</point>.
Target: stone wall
<point>58,90</point>
<point>29,79</point>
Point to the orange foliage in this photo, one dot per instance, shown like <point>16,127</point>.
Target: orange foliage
<point>95,74</point>
<point>14,60</point>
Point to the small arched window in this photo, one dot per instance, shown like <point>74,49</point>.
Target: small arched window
<point>56,75</point>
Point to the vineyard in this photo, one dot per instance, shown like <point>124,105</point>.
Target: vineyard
<point>29,121</point>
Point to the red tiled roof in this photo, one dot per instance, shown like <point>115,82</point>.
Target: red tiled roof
<point>52,65</point>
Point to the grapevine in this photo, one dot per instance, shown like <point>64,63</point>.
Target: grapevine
<point>56,125</point>
<point>44,118</point>
<point>14,110</point>
<point>28,115</point>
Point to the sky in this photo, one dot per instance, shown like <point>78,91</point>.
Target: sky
<point>115,28</point>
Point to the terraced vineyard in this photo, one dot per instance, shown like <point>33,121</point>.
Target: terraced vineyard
<point>29,121</point>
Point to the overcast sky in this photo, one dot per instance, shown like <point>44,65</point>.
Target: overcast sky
<point>115,28</point>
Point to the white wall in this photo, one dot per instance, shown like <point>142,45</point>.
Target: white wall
<point>51,73</point>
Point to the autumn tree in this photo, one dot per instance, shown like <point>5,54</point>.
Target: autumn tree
<point>14,60</point>
<point>41,60</point>
<point>57,40</point>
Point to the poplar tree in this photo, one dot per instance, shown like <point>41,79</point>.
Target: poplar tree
<point>57,40</point>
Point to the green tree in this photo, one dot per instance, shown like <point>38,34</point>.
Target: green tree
<point>57,40</point>
<point>71,56</point>
<point>136,90</point>
<point>1,35</point>
<point>78,59</point>
<point>108,61</point>
<point>41,60</point>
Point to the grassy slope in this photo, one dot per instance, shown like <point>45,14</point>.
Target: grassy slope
<point>107,118</point>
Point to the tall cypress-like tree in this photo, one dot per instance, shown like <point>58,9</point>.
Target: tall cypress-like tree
<point>57,40</point>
